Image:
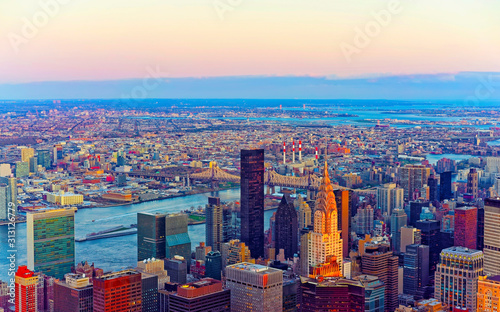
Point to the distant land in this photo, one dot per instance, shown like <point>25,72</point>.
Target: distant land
<point>469,87</point>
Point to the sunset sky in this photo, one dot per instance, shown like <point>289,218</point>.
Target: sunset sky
<point>120,39</point>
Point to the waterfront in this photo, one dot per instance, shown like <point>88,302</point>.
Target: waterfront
<point>118,252</point>
<point>433,158</point>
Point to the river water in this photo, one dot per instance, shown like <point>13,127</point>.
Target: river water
<point>117,252</point>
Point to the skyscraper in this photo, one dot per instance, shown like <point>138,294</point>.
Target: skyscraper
<point>480,229</point>
<point>22,169</point>
<point>252,200</point>
<point>286,228</point>
<point>26,290</point>
<point>430,233</point>
<point>51,241</point>
<point>466,227</point>
<point>214,224</point>
<point>236,252</point>
<point>205,295</point>
<point>413,177</point>
<point>398,220</point>
<point>11,183</point>
<point>213,265</point>
<point>457,277</point>
<point>4,203</point>
<point>389,197</point>
<point>432,182</point>
<point>149,287</point>
<point>26,154</point>
<point>74,294</point>
<point>325,242</point>
<point>491,234</point>
<point>344,205</point>
<point>255,287</point>
<point>151,233</point>
<point>445,185</point>
<point>379,261</point>
<point>155,267</point>
<point>416,269</point>
<point>177,269</point>
<point>416,208</point>
<point>472,183</point>
<point>176,236</point>
<point>409,236</point>
<point>118,291</point>
<point>305,212</point>
<point>44,159</point>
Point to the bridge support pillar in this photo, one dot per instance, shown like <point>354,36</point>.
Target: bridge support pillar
<point>268,190</point>
<point>215,185</point>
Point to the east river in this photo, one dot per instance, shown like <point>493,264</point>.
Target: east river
<point>117,252</point>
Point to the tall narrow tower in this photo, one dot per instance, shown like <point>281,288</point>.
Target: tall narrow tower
<point>252,201</point>
<point>325,242</point>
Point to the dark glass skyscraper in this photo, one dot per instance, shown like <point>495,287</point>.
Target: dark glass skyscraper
<point>416,269</point>
<point>430,231</point>
<point>149,285</point>
<point>150,236</point>
<point>213,265</point>
<point>44,159</point>
<point>286,228</point>
<point>432,182</point>
<point>252,200</point>
<point>445,185</point>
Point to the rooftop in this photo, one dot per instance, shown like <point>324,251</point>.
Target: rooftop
<point>118,274</point>
<point>458,250</point>
<point>250,267</point>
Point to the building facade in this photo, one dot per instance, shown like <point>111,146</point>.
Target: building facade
<point>473,183</point>
<point>491,234</point>
<point>205,295</point>
<point>286,236</point>
<point>213,265</point>
<point>325,242</point>
<point>176,236</point>
<point>255,287</point>
<point>151,241</point>
<point>416,269</point>
<point>488,293</point>
<point>51,241</point>
<point>389,197</point>
<point>466,227</point>
<point>26,290</point>
<point>379,261</point>
<point>398,220</point>
<point>252,200</point>
<point>413,177</point>
<point>74,294</point>
<point>457,276</point>
<point>118,292</point>
<point>214,226</point>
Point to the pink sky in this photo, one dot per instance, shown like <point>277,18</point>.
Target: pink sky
<point>97,40</point>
